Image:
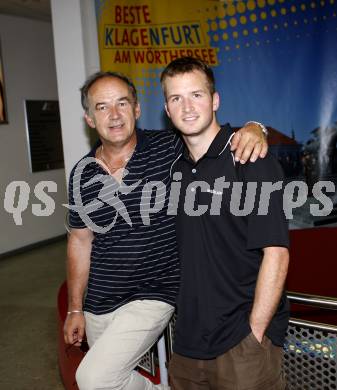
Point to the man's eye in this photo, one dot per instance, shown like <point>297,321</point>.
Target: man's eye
<point>197,95</point>
<point>101,108</point>
<point>122,104</point>
<point>175,99</point>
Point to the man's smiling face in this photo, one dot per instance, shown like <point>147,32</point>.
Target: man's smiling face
<point>189,103</point>
<point>112,111</point>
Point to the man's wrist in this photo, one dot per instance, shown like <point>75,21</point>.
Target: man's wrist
<point>258,333</point>
<point>74,312</point>
<point>261,126</point>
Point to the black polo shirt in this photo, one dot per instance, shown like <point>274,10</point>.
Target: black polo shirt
<point>221,253</point>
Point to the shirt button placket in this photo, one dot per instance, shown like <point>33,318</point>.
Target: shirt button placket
<point>194,172</point>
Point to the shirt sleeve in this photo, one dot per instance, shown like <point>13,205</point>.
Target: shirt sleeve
<point>267,224</point>
<point>175,138</point>
<point>74,219</point>
<point>178,145</point>
<point>177,142</point>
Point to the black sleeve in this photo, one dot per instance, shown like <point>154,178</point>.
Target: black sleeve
<point>267,225</point>
<point>74,219</point>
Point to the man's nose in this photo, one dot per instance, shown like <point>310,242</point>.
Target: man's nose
<point>187,105</point>
<point>113,112</point>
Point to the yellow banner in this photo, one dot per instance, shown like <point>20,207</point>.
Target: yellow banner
<point>137,35</point>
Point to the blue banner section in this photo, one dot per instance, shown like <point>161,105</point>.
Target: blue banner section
<point>278,64</point>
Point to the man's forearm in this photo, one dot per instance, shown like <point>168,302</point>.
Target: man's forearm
<point>78,265</point>
<point>269,288</point>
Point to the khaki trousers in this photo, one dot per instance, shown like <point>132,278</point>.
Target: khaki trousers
<point>117,342</point>
<point>248,366</point>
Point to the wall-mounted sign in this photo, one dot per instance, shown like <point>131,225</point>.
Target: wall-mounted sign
<point>44,134</point>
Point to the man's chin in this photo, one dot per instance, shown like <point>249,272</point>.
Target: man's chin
<point>189,132</point>
<point>116,140</point>
<point>120,139</point>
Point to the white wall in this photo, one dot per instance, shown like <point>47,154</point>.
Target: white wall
<point>29,72</point>
<point>76,53</point>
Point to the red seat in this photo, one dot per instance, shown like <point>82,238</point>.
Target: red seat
<point>68,358</point>
<point>312,270</point>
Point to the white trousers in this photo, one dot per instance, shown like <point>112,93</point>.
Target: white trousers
<point>117,342</point>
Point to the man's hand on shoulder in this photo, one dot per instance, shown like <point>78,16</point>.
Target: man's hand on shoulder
<point>249,143</point>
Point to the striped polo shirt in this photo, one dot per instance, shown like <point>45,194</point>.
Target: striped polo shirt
<point>134,251</point>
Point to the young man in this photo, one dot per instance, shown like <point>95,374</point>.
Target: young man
<point>232,313</point>
<point>126,262</point>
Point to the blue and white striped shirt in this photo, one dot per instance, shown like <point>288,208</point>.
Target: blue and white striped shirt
<point>137,258</point>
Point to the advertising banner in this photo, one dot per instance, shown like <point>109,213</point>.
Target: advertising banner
<point>275,61</point>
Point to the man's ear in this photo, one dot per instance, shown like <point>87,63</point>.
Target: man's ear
<point>167,111</point>
<point>138,111</point>
<point>216,101</point>
<point>90,121</point>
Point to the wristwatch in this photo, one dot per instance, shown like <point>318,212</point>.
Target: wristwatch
<point>261,126</point>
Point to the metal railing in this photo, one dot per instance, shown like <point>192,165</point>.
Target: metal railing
<point>313,300</point>
<point>310,348</point>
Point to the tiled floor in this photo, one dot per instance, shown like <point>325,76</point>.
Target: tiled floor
<point>28,318</point>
